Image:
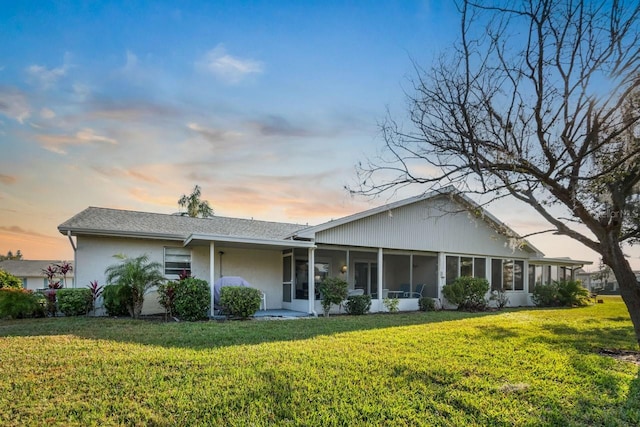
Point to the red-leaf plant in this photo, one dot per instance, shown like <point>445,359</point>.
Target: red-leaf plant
<point>96,291</point>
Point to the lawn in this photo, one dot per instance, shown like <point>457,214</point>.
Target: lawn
<point>517,367</point>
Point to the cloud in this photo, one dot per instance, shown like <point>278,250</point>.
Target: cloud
<point>7,179</point>
<point>47,113</point>
<point>273,125</point>
<point>57,143</point>
<point>13,104</point>
<point>228,68</point>
<point>131,173</point>
<point>19,230</point>
<point>212,134</point>
<point>48,77</point>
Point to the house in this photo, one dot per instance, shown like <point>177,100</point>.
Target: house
<point>406,249</point>
<point>602,282</point>
<point>31,272</point>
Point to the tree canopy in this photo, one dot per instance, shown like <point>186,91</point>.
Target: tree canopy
<point>538,100</point>
<point>194,206</point>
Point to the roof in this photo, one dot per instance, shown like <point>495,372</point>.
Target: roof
<point>30,268</point>
<point>117,222</point>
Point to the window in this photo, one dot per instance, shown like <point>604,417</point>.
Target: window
<point>507,274</point>
<point>177,260</point>
<point>464,266</point>
<point>518,276</point>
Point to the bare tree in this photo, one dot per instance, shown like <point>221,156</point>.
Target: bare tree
<point>538,100</point>
<point>195,207</point>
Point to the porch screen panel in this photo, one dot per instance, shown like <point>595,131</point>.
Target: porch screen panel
<point>480,268</point>
<point>452,269</point>
<point>507,274</point>
<point>532,278</point>
<point>286,278</point>
<point>496,274</point>
<point>518,275</point>
<point>466,266</point>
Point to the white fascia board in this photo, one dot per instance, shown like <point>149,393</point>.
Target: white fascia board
<point>560,261</point>
<point>248,240</point>
<point>111,233</point>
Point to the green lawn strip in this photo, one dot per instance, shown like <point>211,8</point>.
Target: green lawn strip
<point>521,367</point>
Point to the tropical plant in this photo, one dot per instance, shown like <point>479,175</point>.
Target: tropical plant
<point>9,281</point>
<point>194,206</point>
<point>468,293</point>
<point>96,291</point>
<point>138,275</point>
<point>166,297</point>
<point>240,301</point>
<point>563,293</point>
<point>333,290</point>
<point>500,297</point>
<point>64,268</point>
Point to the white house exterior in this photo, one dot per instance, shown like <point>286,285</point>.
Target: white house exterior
<point>406,249</point>
<point>32,275</point>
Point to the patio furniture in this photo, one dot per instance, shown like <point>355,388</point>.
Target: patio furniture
<point>417,293</point>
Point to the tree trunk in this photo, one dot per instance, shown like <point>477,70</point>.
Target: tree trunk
<point>629,286</point>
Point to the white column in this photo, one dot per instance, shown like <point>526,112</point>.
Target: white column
<point>212,275</point>
<point>312,281</point>
<point>380,278</point>
<point>442,271</point>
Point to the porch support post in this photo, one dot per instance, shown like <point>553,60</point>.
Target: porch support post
<point>312,281</point>
<point>380,278</point>
<point>212,275</point>
<point>442,266</point>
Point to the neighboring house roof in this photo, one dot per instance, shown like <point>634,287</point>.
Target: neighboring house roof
<point>30,268</point>
<point>116,222</point>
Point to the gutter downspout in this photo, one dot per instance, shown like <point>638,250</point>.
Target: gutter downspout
<point>75,259</point>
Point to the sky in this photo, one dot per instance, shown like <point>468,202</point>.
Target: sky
<point>266,105</point>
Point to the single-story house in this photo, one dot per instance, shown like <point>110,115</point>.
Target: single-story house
<point>31,272</point>
<point>406,249</point>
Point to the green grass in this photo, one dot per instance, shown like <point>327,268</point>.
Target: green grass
<point>518,367</point>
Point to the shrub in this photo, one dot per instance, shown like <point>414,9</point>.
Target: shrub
<point>239,301</point>
<point>192,299</point>
<point>20,303</point>
<point>391,304</point>
<point>467,293</point>
<point>9,281</point>
<point>334,290</point>
<point>564,293</point>
<point>74,302</point>
<point>358,304</point>
<point>115,298</point>
<point>572,293</point>
<point>427,304</point>
<point>96,291</point>
<point>500,297</point>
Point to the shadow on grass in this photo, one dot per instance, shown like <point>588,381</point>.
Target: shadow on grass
<point>213,334</point>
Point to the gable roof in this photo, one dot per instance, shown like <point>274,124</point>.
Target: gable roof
<point>449,191</point>
<point>30,268</point>
<point>117,222</point>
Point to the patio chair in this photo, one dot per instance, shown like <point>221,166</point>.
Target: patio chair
<point>417,293</point>
<point>405,288</point>
<point>353,292</point>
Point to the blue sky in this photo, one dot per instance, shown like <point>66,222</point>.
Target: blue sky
<point>266,105</point>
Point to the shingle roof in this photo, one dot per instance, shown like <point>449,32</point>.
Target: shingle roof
<point>29,268</point>
<point>106,221</point>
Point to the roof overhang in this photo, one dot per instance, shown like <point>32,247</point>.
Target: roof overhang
<point>112,233</point>
<point>246,242</point>
<point>560,261</point>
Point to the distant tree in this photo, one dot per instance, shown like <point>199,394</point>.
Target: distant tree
<point>194,206</point>
<point>10,256</point>
<point>538,100</point>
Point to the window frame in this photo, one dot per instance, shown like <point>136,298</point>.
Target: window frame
<point>176,271</point>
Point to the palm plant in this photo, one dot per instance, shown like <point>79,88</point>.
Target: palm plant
<point>137,276</point>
